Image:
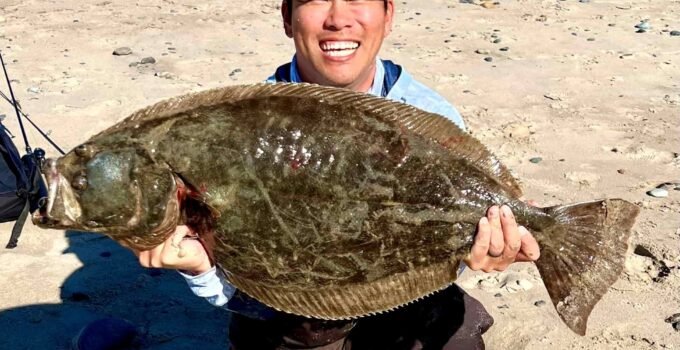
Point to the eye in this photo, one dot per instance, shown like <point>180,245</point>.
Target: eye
<point>85,151</point>
<point>79,182</point>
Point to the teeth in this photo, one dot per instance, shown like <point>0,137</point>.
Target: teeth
<point>339,53</point>
<point>339,45</point>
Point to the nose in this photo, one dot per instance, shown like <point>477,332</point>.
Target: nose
<point>339,15</point>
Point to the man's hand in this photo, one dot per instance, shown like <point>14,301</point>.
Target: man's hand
<point>181,251</point>
<point>500,241</point>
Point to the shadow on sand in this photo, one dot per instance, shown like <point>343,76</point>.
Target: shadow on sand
<point>112,284</point>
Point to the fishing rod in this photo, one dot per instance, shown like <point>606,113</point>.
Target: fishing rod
<point>34,124</point>
<point>16,108</point>
<point>20,113</point>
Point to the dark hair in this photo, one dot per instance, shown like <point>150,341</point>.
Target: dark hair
<point>290,6</point>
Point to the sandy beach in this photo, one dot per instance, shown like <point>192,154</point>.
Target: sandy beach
<point>575,99</point>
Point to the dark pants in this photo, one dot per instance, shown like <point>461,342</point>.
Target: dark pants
<point>450,319</point>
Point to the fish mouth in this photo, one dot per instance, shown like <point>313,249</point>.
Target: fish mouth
<point>61,210</point>
<point>339,48</point>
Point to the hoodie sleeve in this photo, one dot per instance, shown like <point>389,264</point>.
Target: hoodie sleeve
<point>212,286</point>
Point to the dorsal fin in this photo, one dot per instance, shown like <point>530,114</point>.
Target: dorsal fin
<point>429,125</point>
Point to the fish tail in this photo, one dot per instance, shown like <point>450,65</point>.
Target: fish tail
<point>583,254</point>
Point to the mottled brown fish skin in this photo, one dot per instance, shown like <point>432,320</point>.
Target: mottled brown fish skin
<point>324,202</point>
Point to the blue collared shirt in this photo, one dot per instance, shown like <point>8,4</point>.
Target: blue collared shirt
<point>405,89</point>
<point>213,286</point>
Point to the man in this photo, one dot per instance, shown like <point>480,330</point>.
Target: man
<point>337,43</point>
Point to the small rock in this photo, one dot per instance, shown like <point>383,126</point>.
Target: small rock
<point>673,318</point>
<point>615,150</point>
<point>482,51</point>
<point>488,59</point>
<point>675,32</point>
<point>518,285</point>
<point>235,71</point>
<point>536,160</point>
<point>122,51</point>
<point>676,326</point>
<point>539,303</point>
<point>498,295</point>
<point>496,41</point>
<point>591,39</point>
<point>643,26</point>
<point>621,171</point>
<point>488,285</point>
<point>504,306</point>
<point>670,186</point>
<point>658,193</point>
<point>166,75</point>
<point>148,60</point>
<point>504,48</point>
<point>133,64</point>
<point>488,4</point>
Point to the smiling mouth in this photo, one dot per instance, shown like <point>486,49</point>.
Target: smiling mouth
<point>339,48</point>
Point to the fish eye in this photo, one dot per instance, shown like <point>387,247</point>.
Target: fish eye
<point>79,183</point>
<point>85,151</point>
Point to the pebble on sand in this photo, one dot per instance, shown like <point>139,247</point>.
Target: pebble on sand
<point>539,303</point>
<point>148,60</point>
<point>535,160</point>
<point>658,193</point>
<point>122,51</point>
<point>488,59</point>
<point>675,32</point>
<point>643,26</point>
<point>166,75</point>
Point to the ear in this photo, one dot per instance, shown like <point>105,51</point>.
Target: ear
<point>286,16</point>
<point>389,16</point>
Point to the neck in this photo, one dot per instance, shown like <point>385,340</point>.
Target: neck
<point>363,83</point>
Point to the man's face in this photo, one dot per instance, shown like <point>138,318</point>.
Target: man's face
<point>336,41</point>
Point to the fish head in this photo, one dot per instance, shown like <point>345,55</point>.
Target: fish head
<point>120,192</point>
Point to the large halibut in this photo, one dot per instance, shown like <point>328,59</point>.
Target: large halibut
<point>323,202</point>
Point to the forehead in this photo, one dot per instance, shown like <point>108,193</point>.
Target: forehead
<point>301,2</point>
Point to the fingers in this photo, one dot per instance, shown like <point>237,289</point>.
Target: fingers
<point>529,251</point>
<point>511,234</point>
<point>497,242</point>
<point>480,247</point>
